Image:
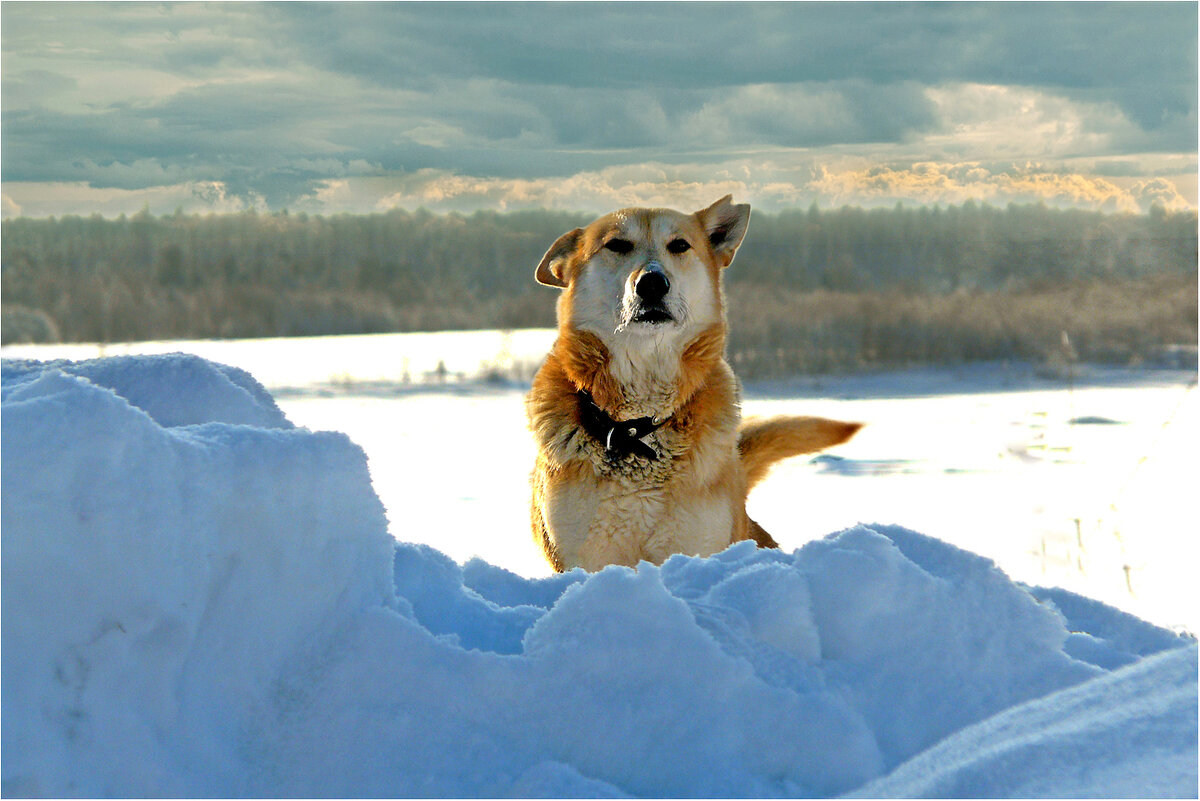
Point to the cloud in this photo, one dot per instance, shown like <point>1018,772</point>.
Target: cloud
<point>1140,57</point>
<point>769,185</point>
<point>292,104</point>
<point>941,183</point>
<point>993,121</point>
<point>1158,192</point>
<point>268,133</point>
<point>808,115</point>
<point>1117,168</point>
<point>1076,46</point>
<point>46,199</point>
<point>9,207</point>
<point>31,87</point>
<point>642,185</point>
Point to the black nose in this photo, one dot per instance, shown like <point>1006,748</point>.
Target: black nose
<point>652,285</point>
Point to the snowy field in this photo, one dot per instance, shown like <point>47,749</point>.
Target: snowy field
<point>1086,484</point>
<point>203,593</point>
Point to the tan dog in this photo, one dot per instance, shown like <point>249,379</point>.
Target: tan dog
<point>641,449</point>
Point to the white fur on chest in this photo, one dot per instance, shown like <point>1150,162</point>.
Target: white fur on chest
<point>612,524</point>
<point>701,527</point>
<point>646,366</point>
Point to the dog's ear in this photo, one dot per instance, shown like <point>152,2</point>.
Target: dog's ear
<point>550,271</point>
<point>725,223</point>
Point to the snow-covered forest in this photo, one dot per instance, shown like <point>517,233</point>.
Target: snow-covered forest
<point>811,290</point>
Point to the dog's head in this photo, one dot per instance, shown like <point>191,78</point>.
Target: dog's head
<point>639,272</point>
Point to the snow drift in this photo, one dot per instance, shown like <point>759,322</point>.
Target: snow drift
<point>200,599</point>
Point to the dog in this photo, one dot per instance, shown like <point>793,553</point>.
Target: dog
<point>642,452</point>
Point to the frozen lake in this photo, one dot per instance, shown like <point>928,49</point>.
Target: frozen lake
<point>1085,484</point>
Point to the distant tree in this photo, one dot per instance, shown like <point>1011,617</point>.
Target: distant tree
<point>894,282</point>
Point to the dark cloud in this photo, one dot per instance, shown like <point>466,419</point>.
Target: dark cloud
<point>816,114</point>
<point>272,99</point>
<point>1120,168</point>
<point>28,87</point>
<point>1140,55</point>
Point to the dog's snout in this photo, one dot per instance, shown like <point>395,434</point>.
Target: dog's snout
<point>652,284</point>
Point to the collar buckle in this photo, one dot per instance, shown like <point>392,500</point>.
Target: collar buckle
<point>620,438</point>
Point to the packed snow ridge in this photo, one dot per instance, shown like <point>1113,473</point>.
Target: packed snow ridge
<point>200,599</point>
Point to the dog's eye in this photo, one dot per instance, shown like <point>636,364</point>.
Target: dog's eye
<point>678,246</point>
<point>619,245</point>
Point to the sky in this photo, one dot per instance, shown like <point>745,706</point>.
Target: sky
<point>110,108</point>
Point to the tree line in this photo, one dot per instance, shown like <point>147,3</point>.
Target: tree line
<point>810,289</point>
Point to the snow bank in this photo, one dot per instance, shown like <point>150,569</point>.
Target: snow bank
<point>200,599</point>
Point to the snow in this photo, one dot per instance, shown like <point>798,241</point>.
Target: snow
<point>1098,509</point>
<point>200,599</point>
<point>333,362</point>
<point>1053,497</point>
<point>1020,753</point>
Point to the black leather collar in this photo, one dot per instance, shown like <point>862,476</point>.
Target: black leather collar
<point>619,437</point>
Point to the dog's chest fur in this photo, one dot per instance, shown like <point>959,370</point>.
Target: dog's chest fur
<point>634,524</point>
<point>648,376</point>
<point>604,510</point>
<point>624,510</point>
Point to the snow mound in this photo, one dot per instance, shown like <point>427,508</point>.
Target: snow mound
<point>200,599</point>
<point>175,389</point>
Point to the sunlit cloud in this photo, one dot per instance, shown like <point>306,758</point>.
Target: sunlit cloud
<point>938,183</point>
<point>1159,192</point>
<point>688,186</point>
<point>1019,122</point>
<point>9,207</point>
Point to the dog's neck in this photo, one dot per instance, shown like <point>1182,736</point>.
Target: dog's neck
<point>646,368</point>
<point>631,379</point>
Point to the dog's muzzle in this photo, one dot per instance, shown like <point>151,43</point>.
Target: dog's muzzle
<point>651,287</point>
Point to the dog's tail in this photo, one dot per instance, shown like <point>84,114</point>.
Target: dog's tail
<point>763,442</point>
